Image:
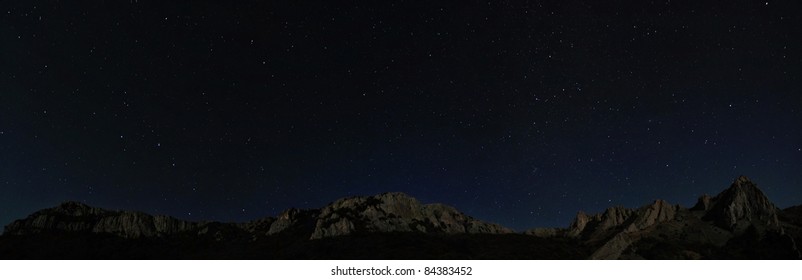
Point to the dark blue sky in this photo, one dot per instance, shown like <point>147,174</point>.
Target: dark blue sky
<point>520,113</point>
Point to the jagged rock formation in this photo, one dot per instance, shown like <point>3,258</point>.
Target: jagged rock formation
<point>627,229</point>
<point>389,212</point>
<point>580,222</point>
<point>615,229</point>
<point>294,222</point>
<point>740,222</point>
<point>78,217</point>
<point>713,221</point>
<point>742,205</point>
<point>703,203</point>
<point>395,212</point>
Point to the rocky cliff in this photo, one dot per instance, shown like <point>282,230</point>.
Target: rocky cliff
<point>743,205</point>
<point>739,222</point>
<point>389,212</point>
<point>713,221</point>
<point>78,217</point>
<point>395,212</point>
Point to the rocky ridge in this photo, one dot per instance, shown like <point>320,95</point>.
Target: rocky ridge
<point>389,212</point>
<point>395,212</point>
<point>79,217</point>
<point>739,222</point>
<point>742,205</point>
<point>713,220</point>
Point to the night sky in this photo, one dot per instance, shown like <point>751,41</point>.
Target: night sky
<point>519,113</point>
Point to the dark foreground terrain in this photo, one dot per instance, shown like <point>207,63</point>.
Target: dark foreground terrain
<point>368,246</point>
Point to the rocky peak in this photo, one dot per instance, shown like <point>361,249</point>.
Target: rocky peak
<point>71,206</point>
<point>658,212</point>
<point>614,216</point>
<point>289,214</point>
<point>387,212</point>
<point>78,217</point>
<point>395,212</point>
<point>293,218</point>
<point>74,208</point>
<point>703,203</point>
<point>742,204</point>
<point>579,224</point>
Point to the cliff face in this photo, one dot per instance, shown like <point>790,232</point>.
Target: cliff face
<point>294,221</point>
<point>627,229</point>
<point>713,221</point>
<point>395,212</point>
<point>658,212</point>
<point>78,217</point>
<point>739,222</point>
<point>743,205</point>
<point>390,212</point>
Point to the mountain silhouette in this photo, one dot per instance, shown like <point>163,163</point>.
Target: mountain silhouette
<point>710,229</point>
<point>738,223</point>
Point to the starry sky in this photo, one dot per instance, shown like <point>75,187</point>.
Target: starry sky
<point>516,112</point>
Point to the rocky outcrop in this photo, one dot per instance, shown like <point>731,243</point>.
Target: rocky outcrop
<point>739,222</point>
<point>134,224</point>
<point>703,203</point>
<point>78,217</point>
<point>626,227</point>
<point>395,212</point>
<point>579,224</point>
<point>389,212</point>
<point>296,221</point>
<point>612,218</point>
<point>586,226</point>
<point>743,205</point>
<point>658,212</point>
<point>713,220</point>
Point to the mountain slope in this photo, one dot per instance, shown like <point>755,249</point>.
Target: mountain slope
<point>388,212</point>
<point>740,222</point>
<point>81,218</point>
<point>395,212</point>
<point>712,228</point>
